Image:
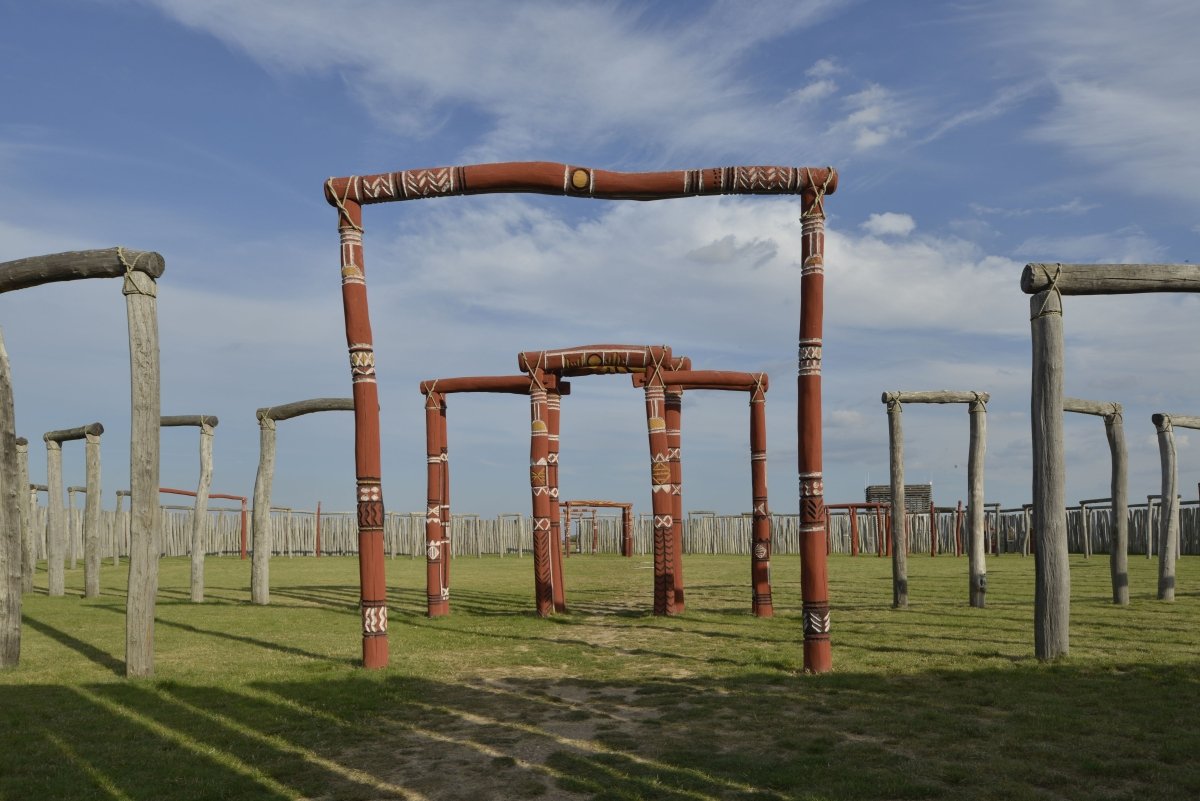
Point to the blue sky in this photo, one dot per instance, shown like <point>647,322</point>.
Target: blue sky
<point>970,137</point>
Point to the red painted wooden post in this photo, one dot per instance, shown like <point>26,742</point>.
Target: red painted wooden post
<point>673,405</point>
<point>814,578</point>
<point>317,533</point>
<point>373,584</point>
<point>853,530</point>
<point>958,518</point>
<point>447,553</point>
<point>627,530</point>
<point>553,416</point>
<point>932,529</point>
<point>661,487</point>
<point>244,515</point>
<point>539,485</point>
<point>880,532</point>
<point>760,555</point>
<point>437,594</point>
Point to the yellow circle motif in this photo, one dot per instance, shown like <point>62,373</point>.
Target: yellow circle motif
<point>579,179</point>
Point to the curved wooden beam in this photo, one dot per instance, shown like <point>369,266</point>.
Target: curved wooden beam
<point>69,434</point>
<point>77,265</point>
<point>554,178</point>
<point>1175,420</point>
<point>1098,408</point>
<point>591,359</point>
<point>709,379</point>
<point>297,408</point>
<point>1110,279</point>
<point>935,396</point>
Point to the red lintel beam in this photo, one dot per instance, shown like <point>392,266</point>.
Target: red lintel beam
<point>591,359</point>
<point>553,178</point>
<point>599,504</point>
<point>710,379</point>
<point>511,384</point>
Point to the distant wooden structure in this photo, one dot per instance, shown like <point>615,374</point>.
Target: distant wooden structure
<point>1118,553</point>
<point>206,424</point>
<point>1168,537</point>
<point>57,528</point>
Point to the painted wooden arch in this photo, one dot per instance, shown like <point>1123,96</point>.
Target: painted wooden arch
<point>549,591</point>
<point>626,520</point>
<point>811,184</point>
<point>756,384</point>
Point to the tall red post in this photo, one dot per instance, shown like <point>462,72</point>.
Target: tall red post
<point>661,487</point>
<point>539,486</point>
<point>553,416</point>
<point>853,530</point>
<point>447,551</point>
<point>958,518</point>
<point>814,578</point>
<point>627,530</point>
<point>673,405</point>
<point>437,594</point>
<point>373,585</point>
<point>317,532</point>
<point>760,531</point>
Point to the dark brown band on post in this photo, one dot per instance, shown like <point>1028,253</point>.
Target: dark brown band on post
<point>553,178</point>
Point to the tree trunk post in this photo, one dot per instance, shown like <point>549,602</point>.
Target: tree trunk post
<point>140,292</point>
<point>553,419</point>
<point>120,530</point>
<point>539,485</point>
<point>814,576</point>
<point>28,553</point>
<point>626,532</point>
<point>760,560</point>
<point>56,533</point>
<point>1052,596</point>
<point>1168,513</point>
<point>899,539</point>
<point>437,595</point>
<point>958,521</point>
<point>976,561</point>
<point>673,405</point>
<point>91,519</point>
<point>360,344</point>
<point>661,487</point>
<point>13,492</point>
<point>854,547</point>
<point>1118,552</point>
<point>74,529</point>
<point>933,532</point>
<point>261,535</point>
<point>200,515</point>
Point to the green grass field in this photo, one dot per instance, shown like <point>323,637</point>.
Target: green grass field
<point>607,701</point>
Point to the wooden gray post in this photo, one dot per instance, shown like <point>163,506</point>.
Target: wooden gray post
<point>1118,551</point>
<point>260,526</point>
<point>206,424</point>
<point>1047,283</point>
<point>12,491</point>
<point>91,519</point>
<point>1168,536</point>
<point>899,516</point>
<point>55,524</point>
<point>122,537</point>
<point>74,528</point>
<point>977,556</point>
<point>28,553</point>
<point>976,562</point>
<point>1052,573</point>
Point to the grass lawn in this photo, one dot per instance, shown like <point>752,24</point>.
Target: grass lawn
<point>607,701</point>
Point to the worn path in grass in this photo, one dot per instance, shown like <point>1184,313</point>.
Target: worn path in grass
<point>608,702</point>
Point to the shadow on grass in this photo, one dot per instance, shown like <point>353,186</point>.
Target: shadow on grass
<point>89,651</point>
<point>1078,732</point>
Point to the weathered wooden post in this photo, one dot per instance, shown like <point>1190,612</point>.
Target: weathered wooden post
<point>74,528</point>
<point>206,424</point>
<point>977,413</point>
<point>1118,552</point>
<point>56,526</point>
<point>1168,533</point>
<point>899,539</point>
<point>1047,283</point>
<point>139,270</point>
<point>28,553</point>
<point>120,538</point>
<point>958,520</point>
<point>13,494</point>
<point>260,528</point>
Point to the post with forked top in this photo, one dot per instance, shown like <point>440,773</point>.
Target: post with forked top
<point>1168,520</point>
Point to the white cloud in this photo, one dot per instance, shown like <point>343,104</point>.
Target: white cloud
<point>889,223</point>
